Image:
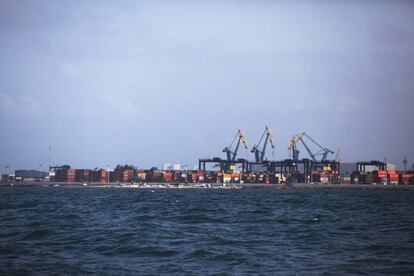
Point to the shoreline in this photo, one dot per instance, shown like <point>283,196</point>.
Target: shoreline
<point>207,186</point>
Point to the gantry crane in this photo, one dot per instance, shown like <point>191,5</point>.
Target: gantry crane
<point>293,148</point>
<point>259,154</point>
<point>231,155</point>
<point>311,154</point>
<point>323,150</point>
<point>405,161</point>
<point>338,156</point>
<point>295,153</point>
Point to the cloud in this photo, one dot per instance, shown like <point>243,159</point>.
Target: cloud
<point>122,107</point>
<point>392,32</point>
<point>17,106</point>
<point>69,70</point>
<point>20,14</point>
<point>347,104</point>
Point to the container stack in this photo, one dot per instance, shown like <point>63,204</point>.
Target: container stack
<point>65,175</point>
<point>353,173</point>
<point>141,175</point>
<point>346,179</point>
<point>83,175</point>
<point>406,178</point>
<point>155,176</point>
<point>196,176</point>
<point>100,176</point>
<point>274,179</point>
<point>177,176</point>
<point>128,175</point>
<point>393,177</point>
<point>224,177</point>
<point>168,176</point>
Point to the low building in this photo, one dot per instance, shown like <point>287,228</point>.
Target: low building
<point>30,175</point>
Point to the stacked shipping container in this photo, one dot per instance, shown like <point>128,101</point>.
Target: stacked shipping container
<point>406,178</point>
<point>65,175</point>
<point>83,175</point>
<point>99,176</point>
<point>128,174</point>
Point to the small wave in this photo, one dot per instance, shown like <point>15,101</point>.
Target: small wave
<point>200,253</point>
<point>194,219</point>
<point>379,249</point>
<point>127,237</point>
<point>158,252</point>
<point>141,251</point>
<point>71,216</point>
<point>38,234</point>
<point>122,250</point>
<point>222,241</point>
<point>143,217</point>
<point>259,211</point>
<point>202,210</point>
<point>5,251</point>
<point>228,257</point>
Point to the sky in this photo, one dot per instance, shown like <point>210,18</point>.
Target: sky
<point>153,82</point>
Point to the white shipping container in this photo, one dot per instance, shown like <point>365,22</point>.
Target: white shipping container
<point>176,167</point>
<point>391,167</point>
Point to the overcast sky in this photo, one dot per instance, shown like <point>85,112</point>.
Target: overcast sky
<point>153,82</point>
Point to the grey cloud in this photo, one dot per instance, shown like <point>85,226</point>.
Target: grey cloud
<point>147,82</point>
<point>18,106</point>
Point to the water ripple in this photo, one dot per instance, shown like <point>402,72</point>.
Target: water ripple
<point>133,231</point>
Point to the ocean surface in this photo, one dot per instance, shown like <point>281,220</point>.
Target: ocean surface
<point>205,231</point>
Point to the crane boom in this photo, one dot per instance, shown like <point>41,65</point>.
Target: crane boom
<point>292,147</point>
<point>300,137</point>
<point>235,151</point>
<point>338,155</point>
<point>306,146</point>
<point>325,151</point>
<point>260,154</point>
<point>231,155</point>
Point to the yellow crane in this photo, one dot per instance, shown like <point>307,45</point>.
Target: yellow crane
<point>292,145</point>
<point>259,154</point>
<point>231,155</point>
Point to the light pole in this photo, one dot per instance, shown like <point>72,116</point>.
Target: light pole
<point>40,172</point>
<point>107,171</point>
<point>184,176</point>
<point>5,172</point>
<point>405,161</point>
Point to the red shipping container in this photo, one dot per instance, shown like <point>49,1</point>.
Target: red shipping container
<point>168,176</point>
<point>382,173</point>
